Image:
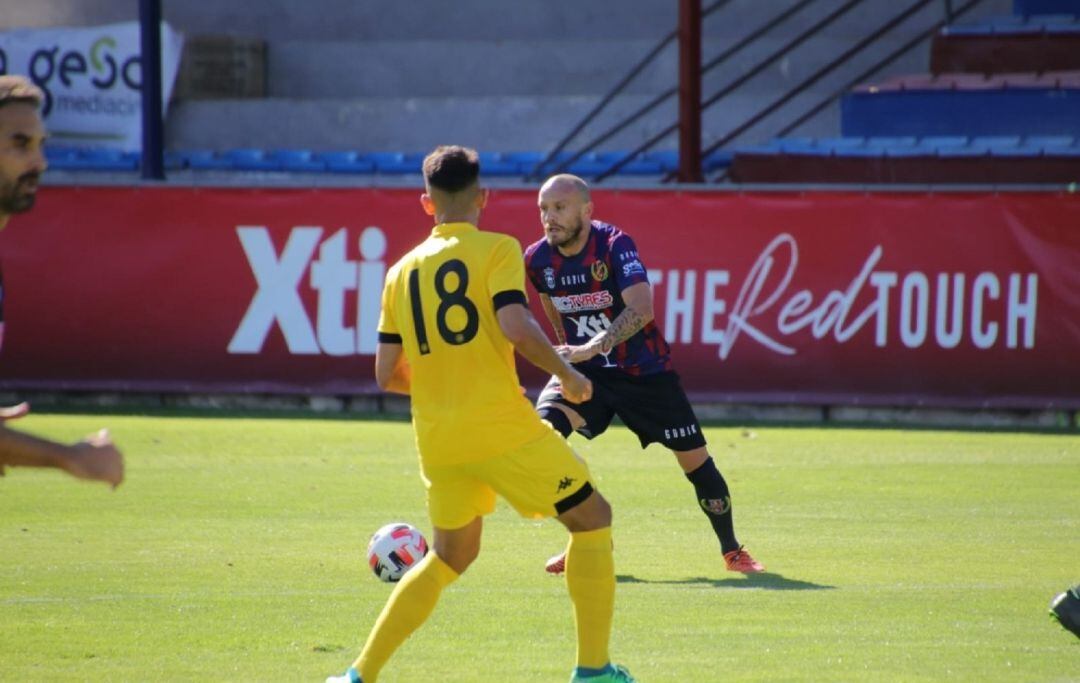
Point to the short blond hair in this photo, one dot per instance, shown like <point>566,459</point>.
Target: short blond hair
<point>19,89</point>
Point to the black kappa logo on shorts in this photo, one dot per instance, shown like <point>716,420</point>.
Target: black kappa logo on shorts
<point>565,483</point>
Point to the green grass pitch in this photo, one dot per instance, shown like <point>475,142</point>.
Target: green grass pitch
<point>235,552</point>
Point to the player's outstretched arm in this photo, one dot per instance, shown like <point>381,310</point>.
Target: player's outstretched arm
<point>521,328</point>
<point>94,458</point>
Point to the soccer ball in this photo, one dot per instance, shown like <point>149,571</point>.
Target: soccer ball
<point>395,549</point>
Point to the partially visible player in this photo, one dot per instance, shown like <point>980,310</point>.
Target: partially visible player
<point>1066,609</point>
<point>595,290</point>
<point>453,313</point>
<point>22,161</point>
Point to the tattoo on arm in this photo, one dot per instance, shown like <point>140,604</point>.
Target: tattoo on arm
<point>555,319</point>
<point>625,325</point>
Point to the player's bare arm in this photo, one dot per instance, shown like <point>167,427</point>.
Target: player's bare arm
<point>521,328</point>
<point>392,371</point>
<point>94,458</point>
<point>554,319</point>
<point>637,314</point>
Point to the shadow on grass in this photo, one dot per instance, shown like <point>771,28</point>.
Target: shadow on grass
<point>763,581</point>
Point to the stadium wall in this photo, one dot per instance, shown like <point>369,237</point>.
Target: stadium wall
<point>944,299</point>
<point>383,75</point>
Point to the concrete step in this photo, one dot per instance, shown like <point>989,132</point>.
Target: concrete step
<point>493,123</point>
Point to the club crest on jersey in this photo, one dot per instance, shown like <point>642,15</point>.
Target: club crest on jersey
<point>599,271</point>
<point>549,277</point>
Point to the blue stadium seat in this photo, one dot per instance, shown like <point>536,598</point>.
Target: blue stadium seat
<point>1072,151</point>
<point>995,141</point>
<point>908,151</point>
<point>247,159</point>
<point>106,160</point>
<point>590,165</point>
<point>833,144</point>
<point>1048,21</point>
<point>62,158</point>
<point>936,141</point>
<point>717,160</point>
<point>891,141</point>
<point>298,161</point>
<point>174,160</point>
<point>1015,151</point>
<point>346,162</point>
<point>1031,108</point>
<point>1050,140</point>
<point>396,163</point>
<point>962,151</point>
<point>797,145</point>
<point>980,29</point>
<point>495,164</point>
<point>54,152</point>
<point>755,150</point>
<point>206,160</point>
<point>1011,24</point>
<point>668,159</point>
<point>861,151</point>
<point>1063,27</point>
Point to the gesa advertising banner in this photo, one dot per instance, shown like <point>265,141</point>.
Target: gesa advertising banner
<point>91,79</point>
<point>902,299</point>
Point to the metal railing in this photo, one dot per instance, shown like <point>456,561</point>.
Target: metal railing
<point>950,13</point>
<point>612,94</point>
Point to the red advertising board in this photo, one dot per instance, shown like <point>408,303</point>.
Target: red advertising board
<point>963,299</point>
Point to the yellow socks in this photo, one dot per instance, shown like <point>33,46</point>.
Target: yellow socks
<point>409,605</point>
<point>590,578</point>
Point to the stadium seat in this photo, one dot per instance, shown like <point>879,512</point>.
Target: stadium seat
<point>1011,24</point>
<point>99,160</point>
<point>717,160</point>
<point>175,160</point>
<point>1050,140</point>
<point>298,161</point>
<point>668,159</point>
<point>346,162</point>
<point>1016,104</point>
<point>247,159</point>
<point>942,160</point>
<point>206,160</point>
<point>62,158</point>
<point>935,142</point>
<point>396,163</point>
<point>496,164</point>
<point>590,165</point>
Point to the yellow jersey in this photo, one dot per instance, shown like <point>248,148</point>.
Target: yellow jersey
<point>439,302</point>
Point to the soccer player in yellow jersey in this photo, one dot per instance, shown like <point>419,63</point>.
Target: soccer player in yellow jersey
<point>453,312</point>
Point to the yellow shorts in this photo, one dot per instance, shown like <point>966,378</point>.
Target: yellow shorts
<point>541,479</point>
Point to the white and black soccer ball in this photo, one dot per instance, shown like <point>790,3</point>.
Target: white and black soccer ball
<point>395,549</point>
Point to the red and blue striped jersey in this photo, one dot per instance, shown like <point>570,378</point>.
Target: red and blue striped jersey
<point>586,290</point>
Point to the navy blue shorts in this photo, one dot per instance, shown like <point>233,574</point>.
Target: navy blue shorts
<point>653,406</point>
